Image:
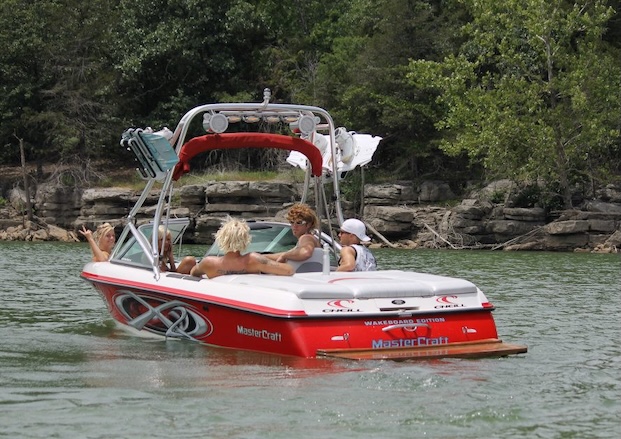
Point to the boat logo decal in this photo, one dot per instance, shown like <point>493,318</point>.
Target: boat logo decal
<point>263,334</point>
<point>409,342</point>
<point>340,306</point>
<point>168,318</point>
<point>448,302</point>
<point>403,321</point>
<point>340,303</point>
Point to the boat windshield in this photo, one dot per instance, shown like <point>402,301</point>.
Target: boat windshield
<point>130,250</point>
<point>275,237</point>
<point>266,237</point>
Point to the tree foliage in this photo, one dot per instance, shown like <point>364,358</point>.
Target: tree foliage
<point>172,55</point>
<point>364,82</point>
<point>533,92</point>
<point>54,80</point>
<point>527,89</point>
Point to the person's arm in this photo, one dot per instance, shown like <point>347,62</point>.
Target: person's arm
<point>273,256</point>
<point>186,265</point>
<point>348,259</point>
<point>171,259</point>
<point>98,254</point>
<point>301,252</point>
<point>204,267</point>
<point>267,266</point>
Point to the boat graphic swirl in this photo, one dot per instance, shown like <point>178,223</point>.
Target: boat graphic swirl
<point>168,318</point>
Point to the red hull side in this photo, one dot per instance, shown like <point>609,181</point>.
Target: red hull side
<point>218,325</point>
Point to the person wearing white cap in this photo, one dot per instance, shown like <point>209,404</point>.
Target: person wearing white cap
<point>354,256</point>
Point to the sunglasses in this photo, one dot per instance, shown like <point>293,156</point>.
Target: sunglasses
<point>298,223</point>
<point>343,232</point>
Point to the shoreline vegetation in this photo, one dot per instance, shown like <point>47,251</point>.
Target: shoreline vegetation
<point>460,92</point>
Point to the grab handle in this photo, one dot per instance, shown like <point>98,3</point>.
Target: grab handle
<point>406,326</point>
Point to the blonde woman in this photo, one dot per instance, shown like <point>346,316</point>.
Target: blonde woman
<point>101,242</point>
<point>233,238</point>
<point>167,258</point>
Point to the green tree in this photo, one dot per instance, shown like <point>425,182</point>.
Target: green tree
<point>302,32</point>
<point>363,78</point>
<point>533,91</point>
<point>55,79</point>
<point>173,55</point>
<point>21,76</point>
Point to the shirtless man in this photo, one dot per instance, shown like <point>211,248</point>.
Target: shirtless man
<point>233,238</point>
<point>304,225</point>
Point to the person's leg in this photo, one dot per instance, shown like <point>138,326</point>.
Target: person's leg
<point>186,265</point>
<point>197,270</point>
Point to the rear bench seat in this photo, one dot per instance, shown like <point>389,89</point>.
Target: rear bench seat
<point>358,285</point>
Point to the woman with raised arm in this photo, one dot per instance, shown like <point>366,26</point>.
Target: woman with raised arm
<point>101,242</point>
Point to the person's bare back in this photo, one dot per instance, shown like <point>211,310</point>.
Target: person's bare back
<point>233,237</point>
<point>235,263</point>
<point>231,263</point>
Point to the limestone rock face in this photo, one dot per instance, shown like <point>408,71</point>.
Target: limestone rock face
<point>611,193</point>
<point>433,191</point>
<point>473,209</point>
<point>389,194</point>
<point>403,213</point>
<point>535,214</point>
<point>31,231</point>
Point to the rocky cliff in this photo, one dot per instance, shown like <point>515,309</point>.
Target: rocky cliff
<point>398,214</point>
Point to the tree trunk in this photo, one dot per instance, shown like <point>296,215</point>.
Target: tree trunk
<point>25,176</point>
<point>561,163</point>
<point>561,157</point>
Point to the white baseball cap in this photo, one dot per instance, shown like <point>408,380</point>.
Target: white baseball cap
<point>355,227</point>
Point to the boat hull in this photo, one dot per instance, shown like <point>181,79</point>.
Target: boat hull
<point>338,329</point>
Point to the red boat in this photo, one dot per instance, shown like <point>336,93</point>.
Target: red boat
<point>385,314</point>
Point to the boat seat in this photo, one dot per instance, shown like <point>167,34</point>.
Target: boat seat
<point>396,283</point>
<point>301,287</point>
<point>357,285</point>
<point>314,264</point>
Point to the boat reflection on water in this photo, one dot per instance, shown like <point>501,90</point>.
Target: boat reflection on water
<point>122,359</point>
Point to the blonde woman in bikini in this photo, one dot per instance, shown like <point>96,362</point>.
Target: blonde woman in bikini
<point>101,242</point>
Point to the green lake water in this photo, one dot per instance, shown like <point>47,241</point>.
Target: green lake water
<point>67,371</point>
